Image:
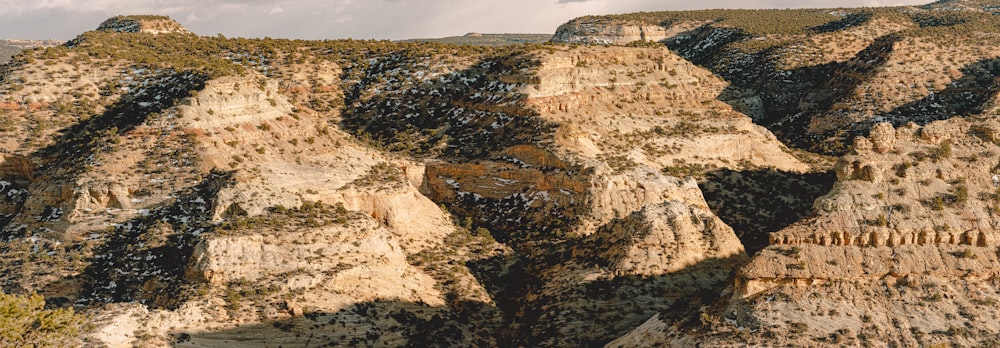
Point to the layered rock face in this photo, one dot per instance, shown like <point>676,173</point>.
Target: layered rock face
<point>590,30</point>
<point>617,139</point>
<point>279,192</point>
<point>346,260</point>
<point>927,188</point>
<point>664,238</point>
<point>931,184</point>
<point>581,31</point>
<point>198,199</point>
<point>912,212</point>
<point>624,217</point>
<point>901,251</point>
<point>647,106</point>
<point>591,172</point>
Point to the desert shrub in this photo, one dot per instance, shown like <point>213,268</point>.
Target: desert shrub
<point>942,152</point>
<point>756,22</point>
<point>24,322</point>
<point>961,194</point>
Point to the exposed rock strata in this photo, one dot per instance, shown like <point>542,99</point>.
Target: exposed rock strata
<point>598,31</point>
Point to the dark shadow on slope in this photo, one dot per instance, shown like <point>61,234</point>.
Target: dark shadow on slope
<point>584,314</point>
<point>12,197</point>
<point>591,313</point>
<point>831,83</point>
<point>468,114</point>
<point>79,147</point>
<point>582,293</point>
<point>515,198</point>
<point>523,193</point>
<point>507,279</point>
<point>968,95</point>
<point>757,202</point>
<point>784,101</point>
<point>850,20</point>
<point>369,324</point>
<point>706,44</point>
<point>942,18</point>
<point>848,75</point>
<point>143,260</point>
<point>78,144</point>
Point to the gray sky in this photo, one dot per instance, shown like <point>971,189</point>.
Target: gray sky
<point>359,19</point>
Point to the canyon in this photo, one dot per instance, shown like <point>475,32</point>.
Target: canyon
<point>720,177</point>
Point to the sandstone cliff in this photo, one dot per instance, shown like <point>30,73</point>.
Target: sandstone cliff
<point>295,193</point>
<point>589,30</point>
<point>912,209</point>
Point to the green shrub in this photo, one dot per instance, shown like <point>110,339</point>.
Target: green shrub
<point>938,204</point>
<point>942,152</point>
<point>24,322</point>
<point>961,194</point>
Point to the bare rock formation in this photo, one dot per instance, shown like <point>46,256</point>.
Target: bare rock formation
<point>912,210</point>
<point>588,30</point>
<point>334,258</point>
<point>288,193</point>
<point>663,238</point>
<point>608,109</point>
<point>933,186</point>
<point>580,31</point>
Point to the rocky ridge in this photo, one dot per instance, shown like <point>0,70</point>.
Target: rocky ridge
<point>142,24</point>
<point>909,221</point>
<point>270,188</point>
<point>281,192</point>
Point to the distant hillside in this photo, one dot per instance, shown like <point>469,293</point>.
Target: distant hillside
<point>478,39</point>
<point>819,77</point>
<point>9,48</point>
<point>974,5</point>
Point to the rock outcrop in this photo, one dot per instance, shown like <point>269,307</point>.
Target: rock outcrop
<point>911,185</point>
<point>592,30</point>
<point>143,24</point>
<point>334,258</point>
<point>661,239</point>
<point>288,192</point>
<point>608,109</point>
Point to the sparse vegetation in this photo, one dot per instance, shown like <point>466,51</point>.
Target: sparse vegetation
<point>519,268</point>
<point>942,152</point>
<point>756,22</point>
<point>310,214</point>
<point>383,174</point>
<point>24,322</point>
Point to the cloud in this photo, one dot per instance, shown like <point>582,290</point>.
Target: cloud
<point>326,19</point>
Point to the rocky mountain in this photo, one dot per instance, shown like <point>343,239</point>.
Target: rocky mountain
<point>725,177</point>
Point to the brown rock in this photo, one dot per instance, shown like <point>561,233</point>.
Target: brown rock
<point>883,137</point>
